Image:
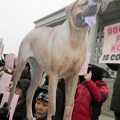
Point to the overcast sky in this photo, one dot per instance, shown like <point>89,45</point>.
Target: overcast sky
<point>17,17</point>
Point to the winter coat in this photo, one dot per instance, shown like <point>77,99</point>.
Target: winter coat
<point>85,94</point>
<point>115,102</point>
<point>96,106</point>
<point>4,113</point>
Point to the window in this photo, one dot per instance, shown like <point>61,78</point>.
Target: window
<point>101,49</point>
<point>97,49</point>
<point>101,39</point>
<point>97,40</point>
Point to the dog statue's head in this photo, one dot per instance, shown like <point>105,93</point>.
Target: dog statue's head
<point>82,12</point>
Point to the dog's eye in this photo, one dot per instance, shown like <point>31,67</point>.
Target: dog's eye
<point>85,3</point>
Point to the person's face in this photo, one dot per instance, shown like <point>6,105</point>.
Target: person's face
<point>20,93</point>
<point>41,108</point>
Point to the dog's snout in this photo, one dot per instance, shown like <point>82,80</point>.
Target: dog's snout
<point>91,10</point>
<point>93,5</point>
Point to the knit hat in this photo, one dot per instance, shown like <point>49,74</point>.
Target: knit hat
<point>24,85</point>
<point>43,95</point>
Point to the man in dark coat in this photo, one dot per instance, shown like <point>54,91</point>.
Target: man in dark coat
<point>115,102</point>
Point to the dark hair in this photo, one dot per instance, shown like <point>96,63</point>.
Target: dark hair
<point>96,72</point>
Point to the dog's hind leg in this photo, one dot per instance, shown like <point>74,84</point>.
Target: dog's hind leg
<point>70,89</point>
<point>16,76</point>
<point>35,80</point>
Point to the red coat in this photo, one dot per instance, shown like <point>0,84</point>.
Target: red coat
<point>82,105</point>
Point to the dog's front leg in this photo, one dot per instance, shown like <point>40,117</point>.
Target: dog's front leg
<point>70,89</point>
<point>52,95</point>
<point>36,79</point>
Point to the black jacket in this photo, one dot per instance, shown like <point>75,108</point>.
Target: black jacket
<point>20,112</point>
<point>115,102</point>
<point>4,113</point>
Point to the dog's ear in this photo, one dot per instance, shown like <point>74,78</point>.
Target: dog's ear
<point>70,7</point>
<point>104,4</point>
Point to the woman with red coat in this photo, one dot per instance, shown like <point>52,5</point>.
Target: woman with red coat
<point>90,95</point>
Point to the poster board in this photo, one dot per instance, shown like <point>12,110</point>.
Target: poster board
<point>4,84</point>
<point>13,103</point>
<point>111,45</point>
<point>9,61</point>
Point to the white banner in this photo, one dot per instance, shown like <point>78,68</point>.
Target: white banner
<point>111,45</point>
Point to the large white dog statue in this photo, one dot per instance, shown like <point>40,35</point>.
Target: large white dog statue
<point>59,52</point>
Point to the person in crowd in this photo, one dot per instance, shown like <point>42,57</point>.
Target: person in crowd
<point>21,89</point>
<point>90,95</point>
<point>20,110</point>
<point>115,102</point>
<point>4,112</point>
<point>40,104</point>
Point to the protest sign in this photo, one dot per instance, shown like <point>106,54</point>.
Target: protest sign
<point>5,81</point>
<point>13,103</point>
<point>111,45</point>
<point>4,84</point>
<point>9,61</point>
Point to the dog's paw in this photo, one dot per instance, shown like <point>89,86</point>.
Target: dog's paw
<point>34,118</point>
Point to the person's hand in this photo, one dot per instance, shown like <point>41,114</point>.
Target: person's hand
<point>87,76</point>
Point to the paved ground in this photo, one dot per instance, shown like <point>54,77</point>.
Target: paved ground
<point>104,117</point>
